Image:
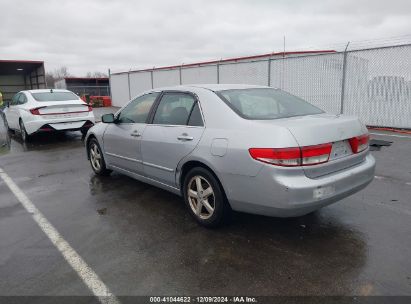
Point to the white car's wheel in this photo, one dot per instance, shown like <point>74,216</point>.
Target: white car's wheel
<point>23,132</point>
<point>6,124</point>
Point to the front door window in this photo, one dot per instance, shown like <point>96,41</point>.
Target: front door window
<point>137,111</point>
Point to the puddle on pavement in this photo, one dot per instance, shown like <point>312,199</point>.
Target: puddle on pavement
<point>11,142</point>
<point>376,144</point>
<point>319,247</point>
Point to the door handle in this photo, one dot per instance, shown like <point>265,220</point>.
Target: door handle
<point>185,137</point>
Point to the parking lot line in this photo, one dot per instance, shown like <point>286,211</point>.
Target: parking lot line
<point>89,277</point>
<point>392,135</point>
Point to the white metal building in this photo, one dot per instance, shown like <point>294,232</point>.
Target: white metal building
<point>247,70</point>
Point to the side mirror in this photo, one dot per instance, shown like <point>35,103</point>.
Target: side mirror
<point>108,118</point>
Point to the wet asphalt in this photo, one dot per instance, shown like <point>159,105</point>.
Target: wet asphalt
<point>141,241</point>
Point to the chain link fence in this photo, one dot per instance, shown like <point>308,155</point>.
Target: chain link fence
<point>90,90</point>
<point>373,84</point>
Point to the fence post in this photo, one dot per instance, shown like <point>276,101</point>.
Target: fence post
<point>181,81</point>
<point>344,72</point>
<point>109,85</point>
<point>269,72</point>
<point>218,71</point>
<point>152,78</point>
<point>129,89</point>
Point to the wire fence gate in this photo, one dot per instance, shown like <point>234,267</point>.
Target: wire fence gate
<point>373,84</point>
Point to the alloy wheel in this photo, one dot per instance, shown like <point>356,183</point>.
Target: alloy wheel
<point>201,197</point>
<point>95,157</point>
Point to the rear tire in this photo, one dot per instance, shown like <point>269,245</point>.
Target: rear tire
<point>96,157</point>
<point>24,136</point>
<point>204,198</point>
<point>6,124</point>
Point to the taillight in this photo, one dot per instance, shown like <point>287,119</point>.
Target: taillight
<point>313,155</point>
<point>35,111</point>
<point>291,157</point>
<point>90,108</point>
<point>359,143</point>
<point>287,157</point>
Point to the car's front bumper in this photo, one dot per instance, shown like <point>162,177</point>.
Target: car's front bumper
<point>288,193</point>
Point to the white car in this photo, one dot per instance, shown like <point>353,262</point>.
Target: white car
<point>47,110</point>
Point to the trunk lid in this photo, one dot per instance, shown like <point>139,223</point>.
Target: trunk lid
<point>57,109</point>
<point>324,128</point>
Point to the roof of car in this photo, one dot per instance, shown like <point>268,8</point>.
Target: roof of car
<point>46,90</point>
<point>221,87</point>
<point>212,87</point>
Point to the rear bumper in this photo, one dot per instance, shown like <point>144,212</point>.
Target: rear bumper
<point>42,124</point>
<point>288,193</point>
<point>75,126</point>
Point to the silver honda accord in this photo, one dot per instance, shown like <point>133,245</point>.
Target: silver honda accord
<point>246,148</point>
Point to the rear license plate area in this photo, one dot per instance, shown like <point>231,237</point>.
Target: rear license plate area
<point>64,115</point>
<point>340,149</point>
<point>323,192</point>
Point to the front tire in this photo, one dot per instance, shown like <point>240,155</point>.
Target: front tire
<point>24,136</point>
<point>96,158</point>
<point>204,198</point>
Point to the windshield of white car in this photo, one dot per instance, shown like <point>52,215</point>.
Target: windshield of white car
<point>54,96</point>
<point>261,103</point>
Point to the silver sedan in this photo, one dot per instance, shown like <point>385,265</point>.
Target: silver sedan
<point>246,148</point>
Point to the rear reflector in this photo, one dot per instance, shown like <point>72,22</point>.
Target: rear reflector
<point>88,124</point>
<point>359,143</point>
<point>291,157</point>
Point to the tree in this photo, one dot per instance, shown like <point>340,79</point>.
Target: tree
<point>56,75</point>
<point>96,75</point>
<point>50,80</point>
<point>61,73</point>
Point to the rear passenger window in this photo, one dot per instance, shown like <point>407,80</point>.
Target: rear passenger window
<point>195,117</point>
<point>22,99</point>
<point>15,99</point>
<point>174,109</point>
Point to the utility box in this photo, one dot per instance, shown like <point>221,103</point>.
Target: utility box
<point>18,75</point>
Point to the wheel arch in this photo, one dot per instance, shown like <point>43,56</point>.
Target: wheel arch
<point>20,120</point>
<point>88,139</point>
<point>190,164</point>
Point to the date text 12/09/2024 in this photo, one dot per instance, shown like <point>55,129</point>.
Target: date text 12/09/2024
<point>203,299</point>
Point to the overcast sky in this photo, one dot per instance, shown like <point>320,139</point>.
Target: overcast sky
<point>95,35</point>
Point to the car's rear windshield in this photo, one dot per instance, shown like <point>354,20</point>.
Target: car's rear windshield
<point>266,103</point>
<point>54,96</point>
